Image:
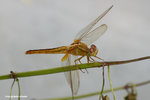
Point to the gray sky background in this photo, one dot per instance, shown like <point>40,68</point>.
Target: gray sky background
<point>51,23</point>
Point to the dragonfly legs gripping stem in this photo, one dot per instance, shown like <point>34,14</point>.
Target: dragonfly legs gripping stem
<point>90,59</point>
<point>103,63</point>
<point>75,61</point>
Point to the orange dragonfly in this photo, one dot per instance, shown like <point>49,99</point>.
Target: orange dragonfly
<point>78,48</point>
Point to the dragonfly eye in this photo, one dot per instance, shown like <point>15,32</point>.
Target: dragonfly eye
<point>93,50</point>
<point>93,46</point>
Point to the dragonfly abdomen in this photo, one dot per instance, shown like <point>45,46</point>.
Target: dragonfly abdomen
<point>58,50</point>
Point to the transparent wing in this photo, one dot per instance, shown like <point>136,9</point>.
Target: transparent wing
<point>72,77</point>
<point>85,30</point>
<point>94,35</point>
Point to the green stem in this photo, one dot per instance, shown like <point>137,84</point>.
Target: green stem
<point>18,89</point>
<point>67,68</point>
<point>97,93</point>
<point>110,83</point>
<point>11,89</point>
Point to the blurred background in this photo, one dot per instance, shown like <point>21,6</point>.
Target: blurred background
<point>36,24</point>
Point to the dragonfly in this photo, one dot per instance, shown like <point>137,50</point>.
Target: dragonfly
<point>78,50</point>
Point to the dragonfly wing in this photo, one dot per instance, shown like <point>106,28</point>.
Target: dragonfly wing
<point>94,35</point>
<point>72,77</point>
<point>85,30</point>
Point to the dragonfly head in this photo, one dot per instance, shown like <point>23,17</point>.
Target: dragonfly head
<point>93,50</point>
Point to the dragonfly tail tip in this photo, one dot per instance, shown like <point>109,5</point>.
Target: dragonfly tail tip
<point>28,52</point>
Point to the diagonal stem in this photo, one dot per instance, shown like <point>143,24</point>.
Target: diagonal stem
<point>67,68</point>
<point>97,93</point>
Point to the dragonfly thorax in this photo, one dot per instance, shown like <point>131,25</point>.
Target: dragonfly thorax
<point>93,50</point>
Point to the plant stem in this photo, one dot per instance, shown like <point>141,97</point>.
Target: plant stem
<point>11,89</point>
<point>67,68</point>
<point>97,93</point>
<point>110,83</point>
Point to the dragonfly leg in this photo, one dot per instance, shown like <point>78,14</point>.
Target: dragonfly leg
<point>75,61</point>
<point>92,60</point>
<point>103,64</point>
<point>86,70</point>
<point>99,58</point>
<point>78,60</point>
